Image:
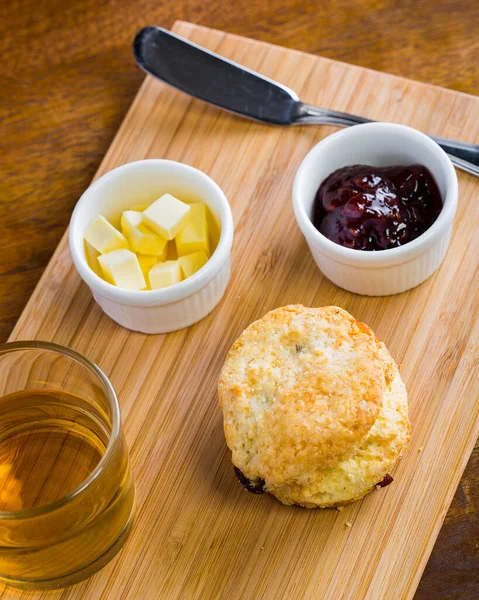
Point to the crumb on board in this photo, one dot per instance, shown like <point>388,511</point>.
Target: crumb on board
<point>340,508</point>
<point>420,449</point>
<point>348,524</point>
<point>262,547</point>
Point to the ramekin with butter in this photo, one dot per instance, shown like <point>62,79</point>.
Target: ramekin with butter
<point>152,240</point>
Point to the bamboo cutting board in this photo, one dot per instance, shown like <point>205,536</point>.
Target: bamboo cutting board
<point>198,534</point>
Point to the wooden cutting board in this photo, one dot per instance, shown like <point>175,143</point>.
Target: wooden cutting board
<point>198,534</point>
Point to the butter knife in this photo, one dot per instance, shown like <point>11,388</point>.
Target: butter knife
<point>232,87</point>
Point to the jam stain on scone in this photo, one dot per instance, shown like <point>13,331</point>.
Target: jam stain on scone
<point>386,481</point>
<point>255,487</point>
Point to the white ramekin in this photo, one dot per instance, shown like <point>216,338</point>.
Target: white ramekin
<point>379,144</point>
<point>141,182</point>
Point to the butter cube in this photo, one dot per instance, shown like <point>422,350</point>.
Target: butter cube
<point>142,239</point>
<point>146,263</point>
<point>121,268</point>
<point>140,207</point>
<point>104,237</point>
<point>167,216</point>
<point>91,256</point>
<point>164,274</point>
<point>192,262</point>
<point>194,236</point>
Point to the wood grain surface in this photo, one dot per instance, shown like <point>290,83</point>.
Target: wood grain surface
<point>198,534</point>
<point>68,77</point>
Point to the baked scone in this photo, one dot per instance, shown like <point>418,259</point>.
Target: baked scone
<point>315,411</point>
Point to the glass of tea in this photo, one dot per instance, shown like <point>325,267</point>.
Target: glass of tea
<point>66,490</point>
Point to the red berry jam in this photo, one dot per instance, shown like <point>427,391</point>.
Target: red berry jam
<point>373,208</point>
<point>386,481</point>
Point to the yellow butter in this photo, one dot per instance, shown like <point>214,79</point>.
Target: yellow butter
<point>104,237</point>
<point>195,235</point>
<point>171,253</point>
<point>121,268</point>
<point>142,239</point>
<point>140,207</point>
<point>146,264</point>
<point>164,274</point>
<point>192,262</point>
<point>167,216</point>
<point>91,256</point>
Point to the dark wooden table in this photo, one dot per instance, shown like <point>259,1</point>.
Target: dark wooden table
<point>67,78</point>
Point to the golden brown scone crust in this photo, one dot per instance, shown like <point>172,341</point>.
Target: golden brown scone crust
<point>314,405</point>
<point>354,477</point>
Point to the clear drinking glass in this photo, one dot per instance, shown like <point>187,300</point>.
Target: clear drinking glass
<point>66,490</point>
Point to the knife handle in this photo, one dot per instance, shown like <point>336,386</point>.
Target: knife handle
<point>463,155</point>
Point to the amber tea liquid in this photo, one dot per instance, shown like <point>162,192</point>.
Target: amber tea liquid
<point>50,444</point>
